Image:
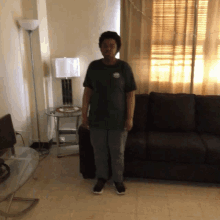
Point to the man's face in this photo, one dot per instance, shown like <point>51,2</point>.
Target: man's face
<point>109,48</point>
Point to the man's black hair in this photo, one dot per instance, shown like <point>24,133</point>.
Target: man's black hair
<point>110,35</point>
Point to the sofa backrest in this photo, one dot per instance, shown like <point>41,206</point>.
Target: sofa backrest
<point>171,112</point>
<point>177,112</point>
<point>208,114</point>
<point>140,112</point>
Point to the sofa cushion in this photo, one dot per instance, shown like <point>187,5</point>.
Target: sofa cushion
<point>136,145</point>
<point>181,147</point>
<point>208,114</point>
<point>212,145</point>
<point>172,112</point>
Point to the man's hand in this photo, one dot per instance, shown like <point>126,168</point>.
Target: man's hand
<point>85,123</point>
<point>128,124</point>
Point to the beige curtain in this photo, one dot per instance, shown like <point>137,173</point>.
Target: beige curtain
<point>172,45</point>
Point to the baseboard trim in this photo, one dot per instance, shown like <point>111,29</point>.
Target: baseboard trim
<point>45,145</point>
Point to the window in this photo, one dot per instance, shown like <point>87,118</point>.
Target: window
<point>172,39</point>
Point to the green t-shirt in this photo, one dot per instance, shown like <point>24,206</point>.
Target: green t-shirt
<point>110,83</point>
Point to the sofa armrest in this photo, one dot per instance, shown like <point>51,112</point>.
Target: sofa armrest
<point>87,162</point>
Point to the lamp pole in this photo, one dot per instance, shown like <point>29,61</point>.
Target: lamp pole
<point>36,107</point>
<point>30,25</point>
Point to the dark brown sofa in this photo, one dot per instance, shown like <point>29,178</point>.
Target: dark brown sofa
<point>174,137</point>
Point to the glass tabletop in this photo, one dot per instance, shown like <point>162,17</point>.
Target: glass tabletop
<point>22,166</point>
<point>64,111</point>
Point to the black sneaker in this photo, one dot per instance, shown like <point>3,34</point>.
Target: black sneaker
<point>98,188</point>
<point>120,188</point>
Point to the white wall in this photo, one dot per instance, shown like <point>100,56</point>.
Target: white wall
<point>67,28</point>
<point>13,96</point>
<point>74,31</point>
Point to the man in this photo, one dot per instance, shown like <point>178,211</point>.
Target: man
<point>109,89</point>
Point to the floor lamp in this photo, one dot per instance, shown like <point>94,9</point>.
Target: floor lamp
<point>30,25</point>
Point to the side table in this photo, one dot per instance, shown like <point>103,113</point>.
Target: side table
<point>64,112</point>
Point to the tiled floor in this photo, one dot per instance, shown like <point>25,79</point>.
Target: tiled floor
<point>65,195</point>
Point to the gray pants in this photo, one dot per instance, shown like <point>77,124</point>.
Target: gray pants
<point>103,142</point>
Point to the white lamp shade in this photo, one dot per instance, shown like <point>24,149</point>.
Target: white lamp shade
<point>29,24</point>
<point>66,67</point>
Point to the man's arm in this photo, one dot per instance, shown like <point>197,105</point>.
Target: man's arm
<point>130,97</point>
<point>86,100</point>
